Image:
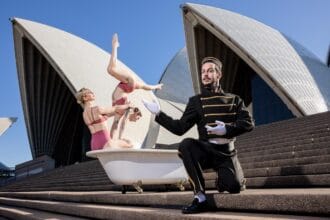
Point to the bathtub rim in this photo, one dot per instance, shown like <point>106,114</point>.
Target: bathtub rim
<point>95,153</point>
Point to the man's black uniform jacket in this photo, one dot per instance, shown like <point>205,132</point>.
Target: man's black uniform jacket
<point>204,109</point>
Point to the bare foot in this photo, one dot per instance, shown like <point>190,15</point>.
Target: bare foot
<point>160,86</point>
<point>115,41</point>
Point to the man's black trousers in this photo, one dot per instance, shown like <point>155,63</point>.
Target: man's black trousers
<point>199,155</point>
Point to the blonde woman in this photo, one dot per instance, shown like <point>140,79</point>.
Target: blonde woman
<point>95,117</point>
<point>127,84</point>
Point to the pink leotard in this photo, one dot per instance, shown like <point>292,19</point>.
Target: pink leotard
<point>120,101</point>
<point>99,139</point>
<point>126,87</point>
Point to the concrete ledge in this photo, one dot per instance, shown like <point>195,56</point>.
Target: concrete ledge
<point>319,180</point>
<point>293,201</point>
<point>129,212</point>
<point>310,169</point>
<point>31,214</point>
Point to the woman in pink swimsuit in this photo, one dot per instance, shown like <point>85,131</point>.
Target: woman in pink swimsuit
<point>95,117</point>
<point>127,84</point>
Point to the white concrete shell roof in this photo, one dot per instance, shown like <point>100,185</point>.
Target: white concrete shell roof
<point>174,96</point>
<point>6,123</point>
<point>78,64</point>
<point>172,99</point>
<point>300,79</point>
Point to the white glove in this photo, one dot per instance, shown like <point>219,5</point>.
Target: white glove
<point>220,129</point>
<point>153,106</point>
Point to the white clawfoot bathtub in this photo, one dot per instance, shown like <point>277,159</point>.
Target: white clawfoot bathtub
<point>139,167</point>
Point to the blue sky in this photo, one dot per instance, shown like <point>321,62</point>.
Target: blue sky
<point>150,33</point>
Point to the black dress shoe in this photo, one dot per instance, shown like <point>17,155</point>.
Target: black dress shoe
<point>195,207</point>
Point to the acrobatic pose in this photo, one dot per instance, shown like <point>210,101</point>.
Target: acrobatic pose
<point>128,83</point>
<point>95,118</point>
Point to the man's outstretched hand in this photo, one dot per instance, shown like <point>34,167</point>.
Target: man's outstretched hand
<point>153,106</point>
<point>220,129</point>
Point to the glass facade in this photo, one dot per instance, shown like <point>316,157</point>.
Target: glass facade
<point>267,106</point>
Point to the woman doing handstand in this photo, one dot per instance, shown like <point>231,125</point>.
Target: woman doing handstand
<point>127,84</point>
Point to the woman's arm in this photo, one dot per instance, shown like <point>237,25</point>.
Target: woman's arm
<point>111,111</point>
<point>182,125</point>
<point>122,125</point>
<point>114,127</point>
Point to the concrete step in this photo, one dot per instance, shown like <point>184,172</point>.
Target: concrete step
<point>262,132</point>
<point>284,176</point>
<point>132,212</point>
<point>293,201</point>
<point>306,122</point>
<point>92,211</point>
<point>82,180</point>
<point>280,140</point>
<point>257,145</point>
<point>104,187</point>
<point>10,212</point>
<point>283,137</point>
<point>87,170</point>
<point>292,181</point>
<point>319,180</point>
<point>286,155</point>
<point>281,149</point>
<point>287,162</point>
<point>67,188</point>
<point>279,171</point>
<point>309,169</point>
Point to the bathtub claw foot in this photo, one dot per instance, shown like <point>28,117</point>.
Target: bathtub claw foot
<point>124,189</point>
<point>180,185</point>
<point>138,187</point>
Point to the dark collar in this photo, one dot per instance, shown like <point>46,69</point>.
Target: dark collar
<point>206,90</point>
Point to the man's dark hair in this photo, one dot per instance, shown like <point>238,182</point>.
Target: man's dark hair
<point>216,61</point>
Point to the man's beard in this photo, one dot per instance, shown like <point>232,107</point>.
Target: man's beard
<point>213,86</point>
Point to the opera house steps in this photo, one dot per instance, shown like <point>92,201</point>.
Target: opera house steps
<point>31,214</point>
<point>250,204</point>
<point>286,165</point>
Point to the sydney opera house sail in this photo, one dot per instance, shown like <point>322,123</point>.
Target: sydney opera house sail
<point>275,76</point>
<point>52,65</point>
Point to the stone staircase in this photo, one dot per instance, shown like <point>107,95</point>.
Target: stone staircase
<point>166,205</point>
<point>293,153</point>
<point>286,164</point>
